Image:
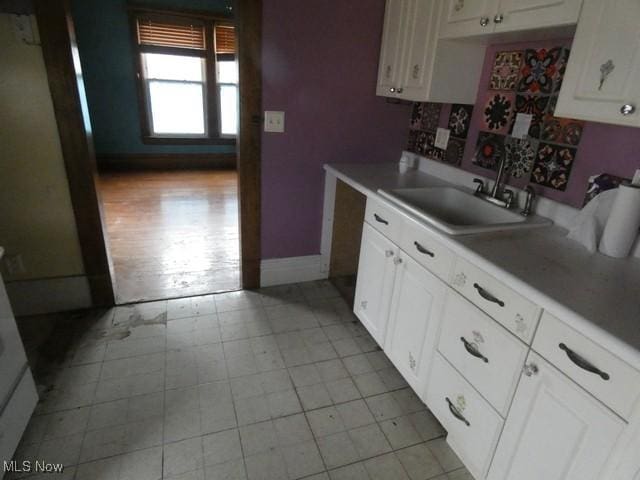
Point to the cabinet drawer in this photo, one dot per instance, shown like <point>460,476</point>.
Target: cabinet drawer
<point>383,218</point>
<point>597,370</point>
<point>486,354</point>
<point>420,244</point>
<point>473,426</point>
<point>512,310</point>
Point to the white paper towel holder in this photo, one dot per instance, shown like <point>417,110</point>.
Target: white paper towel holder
<point>622,227</point>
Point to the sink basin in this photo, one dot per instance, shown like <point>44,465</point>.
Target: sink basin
<point>457,212</point>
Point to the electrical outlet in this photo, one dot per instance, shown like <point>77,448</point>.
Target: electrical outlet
<point>14,264</point>
<point>274,121</point>
<point>442,138</point>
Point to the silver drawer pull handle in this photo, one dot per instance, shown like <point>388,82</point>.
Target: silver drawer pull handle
<point>456,413</point>
<point>473,350</point>
<point>379,219</point>
<point>423,250</point>
<point>627,109</point>
<point>583,363</point>
<point>487,296</point>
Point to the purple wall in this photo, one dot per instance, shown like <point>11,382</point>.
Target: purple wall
<point>602,149</point>
<point>320,60</point>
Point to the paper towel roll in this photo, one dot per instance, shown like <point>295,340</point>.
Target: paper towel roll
<point>621,230</point>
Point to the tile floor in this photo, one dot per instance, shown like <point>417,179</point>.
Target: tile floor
<point>280,383</point>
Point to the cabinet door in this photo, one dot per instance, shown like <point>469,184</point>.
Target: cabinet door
<point>555,430</point>
<point>416,308</point>
<point>393,40</point>
<point>515,15</point>
<point>417,69</point>
<point>464,18</point>
<point>602,82</point>
<point>376,271</point>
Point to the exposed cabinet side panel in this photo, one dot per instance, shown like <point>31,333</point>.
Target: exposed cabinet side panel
<point>374,286</point>
<point>555,430</point>
<point>602,81</point>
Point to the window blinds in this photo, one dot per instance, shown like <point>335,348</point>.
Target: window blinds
<point>168,34</point>
<point>225,39</point>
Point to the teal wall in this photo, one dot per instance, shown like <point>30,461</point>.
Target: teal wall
<point>102,29</point>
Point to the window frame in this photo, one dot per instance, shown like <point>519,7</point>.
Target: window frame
<point>211,96</point>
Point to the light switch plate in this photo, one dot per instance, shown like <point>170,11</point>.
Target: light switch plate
<point>273,121</point>
<point>442,138</point>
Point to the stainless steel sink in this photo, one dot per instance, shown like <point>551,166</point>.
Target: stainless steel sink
<point>457,212</point>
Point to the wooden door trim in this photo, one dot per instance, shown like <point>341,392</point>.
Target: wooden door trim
<point>249,32</point>
<point>58,44</point>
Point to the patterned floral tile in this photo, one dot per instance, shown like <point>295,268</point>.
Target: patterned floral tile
<point>416,116</point>
<point>562,130</point>
<point>535,105</point>
<point>460,119</point>
<point>505,71</point>
<point>600,183</point>
<point>455,150</point>
<point>417,142</point>
<point>497,112</point>
<point>431,116</point>
<point>520,155</point>
<point>489,150</point>
<point>542,70</point>
<point>552,167</point>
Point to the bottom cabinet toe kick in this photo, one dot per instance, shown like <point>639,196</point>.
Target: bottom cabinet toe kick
<point>521,394</point>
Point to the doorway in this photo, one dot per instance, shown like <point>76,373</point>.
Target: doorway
<point>181,244</point>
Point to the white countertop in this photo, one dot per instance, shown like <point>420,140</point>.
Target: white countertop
<point>595,294</point>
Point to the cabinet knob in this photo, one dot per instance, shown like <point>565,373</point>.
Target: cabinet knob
<point>397,261</point>
<point>484,21</point>
<point>530,369</point>
<point>627,109</point>
<point>498,18</point>
<point>392,89</point>
<point>399,90</point>
<point>388,253</point>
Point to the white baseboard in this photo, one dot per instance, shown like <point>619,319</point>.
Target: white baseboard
<point>49,295</point>
<point>280,271</point>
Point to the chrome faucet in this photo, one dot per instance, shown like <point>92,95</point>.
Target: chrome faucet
<point>528,204</point>
<point>503,197</point>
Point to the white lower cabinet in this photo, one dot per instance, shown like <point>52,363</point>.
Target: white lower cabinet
<point>555,430</point>
<point>376,273</point>
<point>472,426</point>
<point>416,306</point>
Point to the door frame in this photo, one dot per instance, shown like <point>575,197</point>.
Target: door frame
<point>59,47</point>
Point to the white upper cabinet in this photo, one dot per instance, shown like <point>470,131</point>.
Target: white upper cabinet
<point>602,82</point>
<point>468,18</point>
<point>413,322</point>
<point>415,65</point>
<point>516,15</point>
<point>463,18</point>
<point>555,430</point>
<point>376,273</point>
<point>393,40</point>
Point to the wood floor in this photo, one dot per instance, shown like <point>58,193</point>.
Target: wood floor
<point>172,234</point>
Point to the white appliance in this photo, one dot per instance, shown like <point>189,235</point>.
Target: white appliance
<point>18,395</point>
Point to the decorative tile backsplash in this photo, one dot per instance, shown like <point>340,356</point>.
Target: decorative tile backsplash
<point>524,78</point>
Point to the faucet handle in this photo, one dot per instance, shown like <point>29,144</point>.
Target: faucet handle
<point>480,187</point>
<point>528,204</point>
<point>509,197</point>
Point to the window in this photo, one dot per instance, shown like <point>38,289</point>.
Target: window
<point>188,76</point>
